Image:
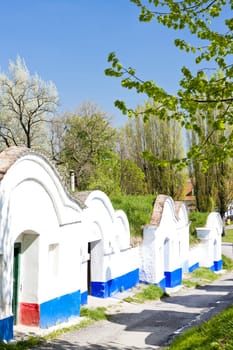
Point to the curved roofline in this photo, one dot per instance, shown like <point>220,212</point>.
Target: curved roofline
<point>158,208</point>
<point>12,154</point>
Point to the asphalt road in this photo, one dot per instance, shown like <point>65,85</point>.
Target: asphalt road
<point>151,325</point>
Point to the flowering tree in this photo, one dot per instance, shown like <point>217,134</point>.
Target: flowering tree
<point>26,105</point>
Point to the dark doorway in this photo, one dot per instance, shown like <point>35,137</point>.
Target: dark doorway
<point>89,269</point>
<point>16,270</point>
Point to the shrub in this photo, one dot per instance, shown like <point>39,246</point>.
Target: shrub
<point>138,210</point>
<point>197,219</point>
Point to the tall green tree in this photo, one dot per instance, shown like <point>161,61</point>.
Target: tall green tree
<point>86,139</point>
<point>213,185</point>
<point>106,176</point>
<point>210,47</point>
<point>152,143</point>
<point>26,106</point>
<point>117,176</point>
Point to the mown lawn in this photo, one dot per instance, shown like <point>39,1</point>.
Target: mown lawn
<point>217,333</point>
<point>228,236</point>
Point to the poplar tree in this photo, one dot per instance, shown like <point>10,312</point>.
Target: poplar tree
<point>152,145</point>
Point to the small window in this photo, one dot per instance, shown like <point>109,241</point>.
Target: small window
<point>53,260</point>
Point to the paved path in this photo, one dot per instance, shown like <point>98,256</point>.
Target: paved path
<point>151,325</point>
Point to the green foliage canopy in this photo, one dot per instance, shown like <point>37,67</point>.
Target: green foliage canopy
<point>197,90</point>
<point>87,140</point>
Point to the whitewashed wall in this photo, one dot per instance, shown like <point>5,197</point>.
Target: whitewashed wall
<point>165,250</point>
<point>37,213</point>
<point>165,244</point>
<point>71,247</point>
<point>208,253</point>
<point>114,265</point>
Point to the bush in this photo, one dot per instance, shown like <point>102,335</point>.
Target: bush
<point>138,210</point>
<point>196,219</point>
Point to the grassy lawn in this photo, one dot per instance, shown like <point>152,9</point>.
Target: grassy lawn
<point>229,236</point>
<point>138,210</point>
<point>217,333</point>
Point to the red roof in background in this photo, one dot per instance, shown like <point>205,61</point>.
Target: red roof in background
<point>189,191</point>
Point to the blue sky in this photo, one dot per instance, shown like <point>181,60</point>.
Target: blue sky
<point>68,41</point>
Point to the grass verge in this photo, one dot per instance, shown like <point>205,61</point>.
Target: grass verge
<point>227,263</point>
<point>217,333</point>
<point>228,236</point>
<point>199,277</point>
<point>138,210</point>
<point>151,292</point>
<point>23,344</point>
<point>94,314</point>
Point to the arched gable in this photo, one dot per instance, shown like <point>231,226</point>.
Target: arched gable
<point>30,184</point>
<point>214,221</point>
<point>113,224</point>
<point>163,211</point>
<point>181,213</point>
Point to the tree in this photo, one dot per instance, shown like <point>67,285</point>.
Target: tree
<point>26,104</point>
<point>87,139</point>
<point>198,17</point>
<point>132,179</point>
<point>152,143</point>
<point>212,186</point>
<point>116,176</point>
<point>106,176</point>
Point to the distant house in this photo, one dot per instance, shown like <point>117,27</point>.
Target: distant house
<point>190,199</point>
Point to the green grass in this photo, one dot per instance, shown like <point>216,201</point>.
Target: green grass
<point>151,292</point>
<point>227,263</point>
<point>95,314</point>
<point>228,237</point>
<point>204,274</point>
<point>217,333</point>
<point>199,277</point>
<point>190,284</point>
<point>22,345</point>
<point>138,210</point>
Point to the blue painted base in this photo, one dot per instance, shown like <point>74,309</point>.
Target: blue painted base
<point>60,309</point>
<point>193,267</point>
<point>173,278</point>
<point>116,285</point>
<point>84,298</point>
<point>162,284</point>
<point>6,328</point>
<point>218,265</point>
<point>212,268</point>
